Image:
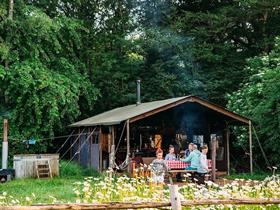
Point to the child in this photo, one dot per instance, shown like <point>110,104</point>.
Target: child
<point>171,155</point>
<point>203,166</point>
<point>159,168</point>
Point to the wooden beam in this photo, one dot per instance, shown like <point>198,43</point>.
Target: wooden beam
<point>79,146</point>
<point>100,149</point>
<point>250,147</point>
<point>140,205</point>
<point>194,99</point>
<point>213,157</point>
<point>5,145</point>
<point>228,152</point>
<point>71,149</point>
<point>220,109</point>
<point>109,139</point>
<point>160,109</point>
<point>112,147</point>
<point>90,149</point>
<point>128,143</point>
<point>113,153</point>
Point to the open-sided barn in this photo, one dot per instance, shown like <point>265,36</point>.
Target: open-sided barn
<point>113,137</point>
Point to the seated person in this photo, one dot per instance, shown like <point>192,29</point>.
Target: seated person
<point>189,150</point>
<point>194,158</point>
<point>171,155</point>
<point>203,167</point>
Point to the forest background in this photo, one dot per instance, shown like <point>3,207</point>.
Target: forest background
<point>65,60</point>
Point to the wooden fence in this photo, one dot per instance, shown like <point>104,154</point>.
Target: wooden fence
<point>117,205</point>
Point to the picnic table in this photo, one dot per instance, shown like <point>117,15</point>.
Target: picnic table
<point>177,166</point>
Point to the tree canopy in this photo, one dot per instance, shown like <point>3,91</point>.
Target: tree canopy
<point>62,60</point>
<point>259,98</point>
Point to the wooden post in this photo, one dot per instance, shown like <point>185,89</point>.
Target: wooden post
<point>113,157</point>
<point>5,145</point>
<point>175,197</point>
<point>109,147</point>
<point>113,135</point>
<point>100,149</point>
<point>89,148</point>
<point>71,150</point>
<point>228,153</point>
<point>250,147</point>
<point>213,156</point>
<point>109,139</point>
<point>79,146</point>
<point>127,144</point>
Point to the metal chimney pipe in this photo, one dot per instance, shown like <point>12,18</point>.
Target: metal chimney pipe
<point>5,145</point>
<point>138,92</point>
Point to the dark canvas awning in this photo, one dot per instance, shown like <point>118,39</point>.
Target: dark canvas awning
<point>136,112</point>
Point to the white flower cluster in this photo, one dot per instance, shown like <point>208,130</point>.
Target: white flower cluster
<point>121,189</point>
<point>125,189</point>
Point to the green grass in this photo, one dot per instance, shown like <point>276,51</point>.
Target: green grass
<point>75,170</point>
<point>60,188</point>
<point>255,176</point>
<point>44,189</point>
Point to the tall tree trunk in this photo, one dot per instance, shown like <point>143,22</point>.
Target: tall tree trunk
<point>11,9</point>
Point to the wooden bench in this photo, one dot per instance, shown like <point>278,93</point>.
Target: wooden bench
<point>192,172</point>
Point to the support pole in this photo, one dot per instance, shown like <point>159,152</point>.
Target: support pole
<point>250,147</point>
<point>109,139</point>
<point>78,142</point>
<point>5,145</point>
<point>175,197</point>
<point>228,153</point>
<point>100,149</point>
<point>113,135</point>
<point>112,151</point>
<point>213,156</point>
<point>128,145</point>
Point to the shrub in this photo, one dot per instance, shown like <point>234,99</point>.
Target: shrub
<point>72,169</point>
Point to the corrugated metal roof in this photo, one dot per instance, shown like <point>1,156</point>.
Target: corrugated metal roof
<point>116,116</point>
<point>135,112</point>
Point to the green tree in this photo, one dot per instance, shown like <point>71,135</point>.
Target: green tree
<point>224,34</point>
<point>44,84</point>
<point>259,99</point>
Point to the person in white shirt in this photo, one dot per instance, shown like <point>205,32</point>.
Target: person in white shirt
<point>171,155</point>
<point>203,166</point>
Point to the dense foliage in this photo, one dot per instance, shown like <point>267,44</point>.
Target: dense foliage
<point>259,98</point>
<point>43,81</point>
<point>224,34</point>
<point>58,57</point>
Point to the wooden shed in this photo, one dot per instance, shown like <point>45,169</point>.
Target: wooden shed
<point>25,165</point>
<point>113,137</point>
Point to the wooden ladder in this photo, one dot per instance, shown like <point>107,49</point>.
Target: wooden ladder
<point>44,170</point>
